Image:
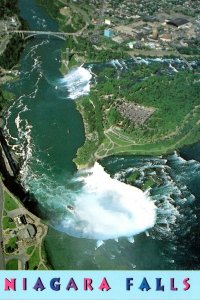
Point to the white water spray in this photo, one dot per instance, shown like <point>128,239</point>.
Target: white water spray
<point>106,208</point>
<point>77,82</point>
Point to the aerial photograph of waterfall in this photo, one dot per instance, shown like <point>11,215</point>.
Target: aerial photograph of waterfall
<point>100,135</point>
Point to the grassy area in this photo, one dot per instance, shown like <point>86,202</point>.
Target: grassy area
<point>42,267</point>
<point>174,123</point>
<point>8,223</point>
<point>34,261</point>
<point>11,246</point>
<point>12,264</point>
<point>9,202</point>
<point>45,258</point>
<point>30,250</point>
<point>43,252</point>
<point>148,183</point>
<point>8,95</point>
<point>134,176</point>
<point>190,133</point>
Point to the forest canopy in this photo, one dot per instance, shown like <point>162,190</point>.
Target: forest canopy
<point>8,8</point>
<point>174,123</point>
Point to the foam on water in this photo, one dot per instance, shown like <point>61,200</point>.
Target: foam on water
<point>77,81</point>
<point>106,208</point>
<point>93,205</point>
<point>173,68</point>
<point>170,193</point>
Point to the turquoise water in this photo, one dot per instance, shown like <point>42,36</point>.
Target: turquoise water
<point>45,130</point>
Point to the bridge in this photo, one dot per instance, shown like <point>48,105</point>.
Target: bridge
<point>31,33</point>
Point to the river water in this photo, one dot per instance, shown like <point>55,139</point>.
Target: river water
<point>96,220</point>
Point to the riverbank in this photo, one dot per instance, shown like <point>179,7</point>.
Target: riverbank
<point>117,142</point>
<point>8,44</point>
<point>23,236</point>
<point>90,139</point>
<point>111,132</point>
<point>9,167</point>
<point>50,130</point>
<point>95,39</point>
<point>23,248</point>
<point>11,47</point>
<point>44,130</point>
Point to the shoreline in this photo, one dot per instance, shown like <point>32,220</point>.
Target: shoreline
<point>99,48</point>
<point>9,166</point>
<point>134,153</point>
<point>97,54</point>
<point>87,134</point>
<point>24,247</point>
<point>23,198</point>
<point>118,142</point>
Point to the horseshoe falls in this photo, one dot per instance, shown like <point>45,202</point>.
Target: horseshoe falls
<point>96,219</point>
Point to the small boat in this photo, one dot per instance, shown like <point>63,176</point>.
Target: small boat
<point>70,209</point>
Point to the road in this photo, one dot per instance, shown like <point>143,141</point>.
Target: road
<point>2,261</point>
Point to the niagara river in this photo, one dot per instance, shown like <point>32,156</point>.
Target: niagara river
<point>96,219</point>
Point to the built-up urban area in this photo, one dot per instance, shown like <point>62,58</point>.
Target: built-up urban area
<point>153,28</point>
<point>98,30</point>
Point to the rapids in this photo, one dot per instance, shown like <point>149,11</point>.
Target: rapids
<point>95,212</point>
<point>103,201</point>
